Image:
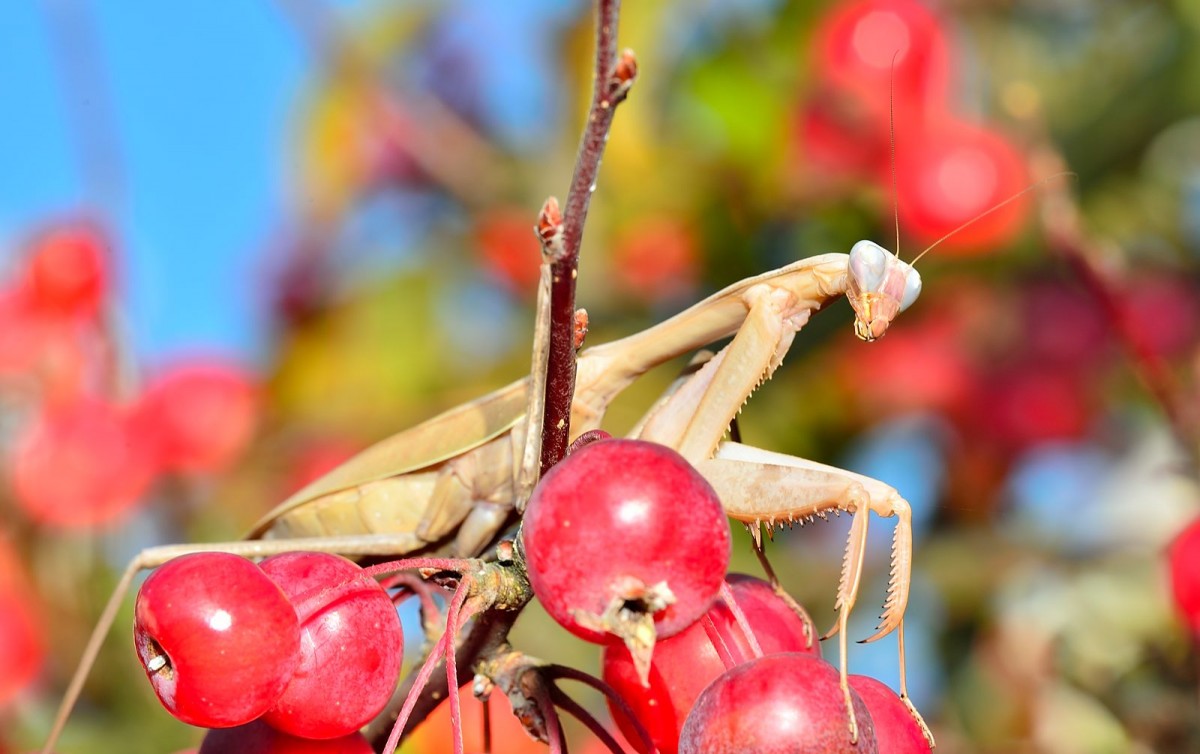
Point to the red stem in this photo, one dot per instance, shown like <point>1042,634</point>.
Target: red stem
<point>560,372</point>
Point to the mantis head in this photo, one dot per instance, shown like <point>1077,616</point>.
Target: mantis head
<point>880,286</point>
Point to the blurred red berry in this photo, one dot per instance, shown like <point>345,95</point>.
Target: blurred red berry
<point>316,458</point>
<point>80,465</point>
<point>1062,325</point>
<point>874,48</point>
<point>954,172</point>
<point>22,647</point>
<point>68,271</point>
<point>21,332</point>
<point>509,249</point>
<point>656,260</point>
<point>200,415</point>
<point>918,367</point>
<point>1030,403</point>
<point>838,137</point>
<point>1164,312</point>
<point>1183,562</point>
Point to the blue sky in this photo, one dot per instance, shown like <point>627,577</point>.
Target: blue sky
<point>203,97</point>
<point>200,94</point>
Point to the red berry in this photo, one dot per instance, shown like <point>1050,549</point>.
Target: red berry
<point>350,646</point>
<point>625,528</point>
<point>778,704</point>
<point>218,639</point>
<point>896,729</point>
<point>1183,560</point>
<point>1030,403</point>
<point>22,647</point>
<point>259,738</point>
<point>68,272</point>
<point>80,465</point>
<point>684,664</point>
<point>509,248</point>
<point>880,50</point>
<point>201,415</point>
<point>657,260</point>
<point>954,172</point>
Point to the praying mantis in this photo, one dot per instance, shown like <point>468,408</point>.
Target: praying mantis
<point>453,481</point>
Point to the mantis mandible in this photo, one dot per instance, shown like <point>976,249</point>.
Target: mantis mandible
<point>455,480</point>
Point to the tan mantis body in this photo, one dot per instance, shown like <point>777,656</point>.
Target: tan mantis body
<point>456,478</point>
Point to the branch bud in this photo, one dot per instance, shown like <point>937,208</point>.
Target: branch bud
<point>549,230</point>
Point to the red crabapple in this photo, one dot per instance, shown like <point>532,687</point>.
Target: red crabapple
<point>259,738</point>
<point>778,704</point>
<point>200,415</point>
<point>656,260</point>
<point>896,730</point>
<point>22,643</point>
<point>953,172</point>
<point>509,248</point>
<point>350,645</point>
<point>684,664</point>
<point>219,639</point>
<point>68,271</point>
<point>1183,560</point>
<point>80,465</point>
<point>623,538</point>
<point>882,51</point>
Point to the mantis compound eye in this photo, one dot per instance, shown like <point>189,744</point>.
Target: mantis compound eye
<point>912,288</point>
<point>868,264</point>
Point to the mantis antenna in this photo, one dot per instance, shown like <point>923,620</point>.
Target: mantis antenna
<point>993,208</point>
<point>896,191</point>
<point>892,145</point>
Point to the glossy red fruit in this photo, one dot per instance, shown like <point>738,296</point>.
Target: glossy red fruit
<point>612,523</point>
<point>873,48</point>
<point>80,465</point>
<point>219,640</point>
<point>778,704</point>
<point>684,664</point>
<point>68,271</point>
<point>953,172</point>
<point>22,646</point>
<point>1183,562</point>
<point>200,415</point>
<point>351,646</point>
<point>259,738</point>
<point>896,729</point>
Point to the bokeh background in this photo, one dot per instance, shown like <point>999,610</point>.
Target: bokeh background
<point>242,241</point>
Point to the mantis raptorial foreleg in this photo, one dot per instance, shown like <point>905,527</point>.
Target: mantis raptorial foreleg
<point>759,487</point>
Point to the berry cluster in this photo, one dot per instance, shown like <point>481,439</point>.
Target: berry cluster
<point>303,643</point>
<point>884,64</point>
<point>627,546</point>
<point>87,456</point>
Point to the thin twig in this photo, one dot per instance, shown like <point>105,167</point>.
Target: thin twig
<point>612,80</point>
<point>565,672</point>
<point>1066,237</point>
<point>577,711</point>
